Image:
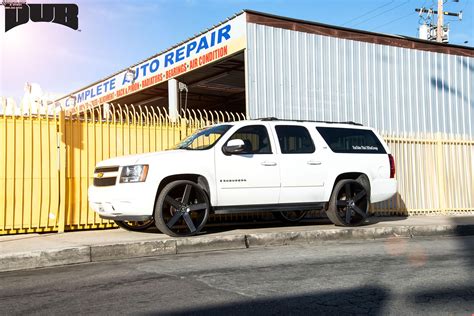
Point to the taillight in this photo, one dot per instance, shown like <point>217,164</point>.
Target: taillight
<point>392,166</point>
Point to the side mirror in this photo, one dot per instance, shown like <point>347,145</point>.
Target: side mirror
<point>233,146</point>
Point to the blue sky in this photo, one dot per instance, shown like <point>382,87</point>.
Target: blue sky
<point>116,34</point>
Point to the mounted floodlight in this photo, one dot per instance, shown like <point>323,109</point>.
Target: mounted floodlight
<point>182,87</point>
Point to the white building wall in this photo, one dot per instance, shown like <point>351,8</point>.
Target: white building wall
<point>399,91</point>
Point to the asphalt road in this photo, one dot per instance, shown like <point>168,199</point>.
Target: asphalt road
<point>397,276</point>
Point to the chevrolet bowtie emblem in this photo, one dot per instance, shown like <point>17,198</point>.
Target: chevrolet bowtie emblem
<point>100,175</point>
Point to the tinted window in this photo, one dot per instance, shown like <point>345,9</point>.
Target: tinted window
<point>204,138</point>
<point>351,140</point>
<point>294,139</point>
<point>255,138</point>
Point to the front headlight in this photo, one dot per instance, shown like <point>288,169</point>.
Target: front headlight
<point>135,173</point>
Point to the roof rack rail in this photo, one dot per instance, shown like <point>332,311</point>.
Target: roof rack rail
<point>328,122</point>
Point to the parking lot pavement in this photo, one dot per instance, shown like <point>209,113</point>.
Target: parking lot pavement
<point>417,276</point>
<point>18,252</point>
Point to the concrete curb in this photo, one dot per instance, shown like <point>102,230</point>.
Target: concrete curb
<point>46,258</point>
<point>150,248</point>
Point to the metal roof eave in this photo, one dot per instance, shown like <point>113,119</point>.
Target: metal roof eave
<point>375,34</point>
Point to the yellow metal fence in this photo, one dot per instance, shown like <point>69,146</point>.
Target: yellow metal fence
<point>47,162</point>
<point>435,176</point>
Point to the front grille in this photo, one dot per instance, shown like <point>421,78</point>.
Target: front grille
<point>106,169</point>
<point>104,182</point>
<point>105,176</point>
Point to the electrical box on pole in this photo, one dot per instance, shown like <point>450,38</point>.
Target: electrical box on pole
<point>431,31</point>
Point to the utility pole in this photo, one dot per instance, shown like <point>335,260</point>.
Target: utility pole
<point>436,31</point>
<point>439,29</point>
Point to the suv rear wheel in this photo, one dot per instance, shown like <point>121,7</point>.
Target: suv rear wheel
<point>349,203</point>
<point>290,217</point>
<point>182,209</point>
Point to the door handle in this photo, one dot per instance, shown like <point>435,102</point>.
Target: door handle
<point>269,163</point>
<point>312,162</point>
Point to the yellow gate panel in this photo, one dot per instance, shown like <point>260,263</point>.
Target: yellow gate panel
<point>29,173</point>
<point>459,177</point>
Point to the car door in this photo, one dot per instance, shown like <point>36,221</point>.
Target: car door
<point>251,177</point>
<point>302,165</point>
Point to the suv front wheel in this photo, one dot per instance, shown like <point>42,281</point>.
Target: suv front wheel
<point>182,209</point>
<point>349,203</point>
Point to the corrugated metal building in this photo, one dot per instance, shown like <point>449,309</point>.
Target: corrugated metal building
<point>303,70</point>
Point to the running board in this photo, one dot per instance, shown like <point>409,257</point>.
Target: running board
<point>269,208</point>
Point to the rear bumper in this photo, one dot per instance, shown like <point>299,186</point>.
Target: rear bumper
<point>382,189</point>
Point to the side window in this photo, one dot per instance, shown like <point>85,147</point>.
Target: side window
<point>255,138</point>
<point>294,139</point>
<point>351,140</point>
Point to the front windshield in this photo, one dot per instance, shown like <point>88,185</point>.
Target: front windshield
<point>204,138</point>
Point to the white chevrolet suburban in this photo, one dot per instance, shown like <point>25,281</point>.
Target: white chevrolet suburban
<point>287,167</point>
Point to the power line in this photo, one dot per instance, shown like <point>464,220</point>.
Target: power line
<point>398,6</point>
<point>361,16</point>
<point>461,10</point>
<point>395,20</point>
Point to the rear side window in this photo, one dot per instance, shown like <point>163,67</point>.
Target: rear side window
<point>351,140</point>
<point>294,139</point>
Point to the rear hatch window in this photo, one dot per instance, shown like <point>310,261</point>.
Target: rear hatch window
<point>351,140</point>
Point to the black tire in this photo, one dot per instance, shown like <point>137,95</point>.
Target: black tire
<point>135,226</point>
<point>182,209</point>
<point>290,217</point>
<point>349,203</point>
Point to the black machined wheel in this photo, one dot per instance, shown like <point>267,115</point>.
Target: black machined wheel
<point>290,217</point>
<point>349,204</point>
<point>136,226</point>
<point>182,209</point>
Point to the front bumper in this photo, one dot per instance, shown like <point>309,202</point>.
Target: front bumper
<point>123,201</point>
<point>138,218</point>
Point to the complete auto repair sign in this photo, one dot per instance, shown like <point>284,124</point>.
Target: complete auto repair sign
<point>213,45</point>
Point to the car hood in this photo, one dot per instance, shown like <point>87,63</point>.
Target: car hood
<point>144,158</point>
